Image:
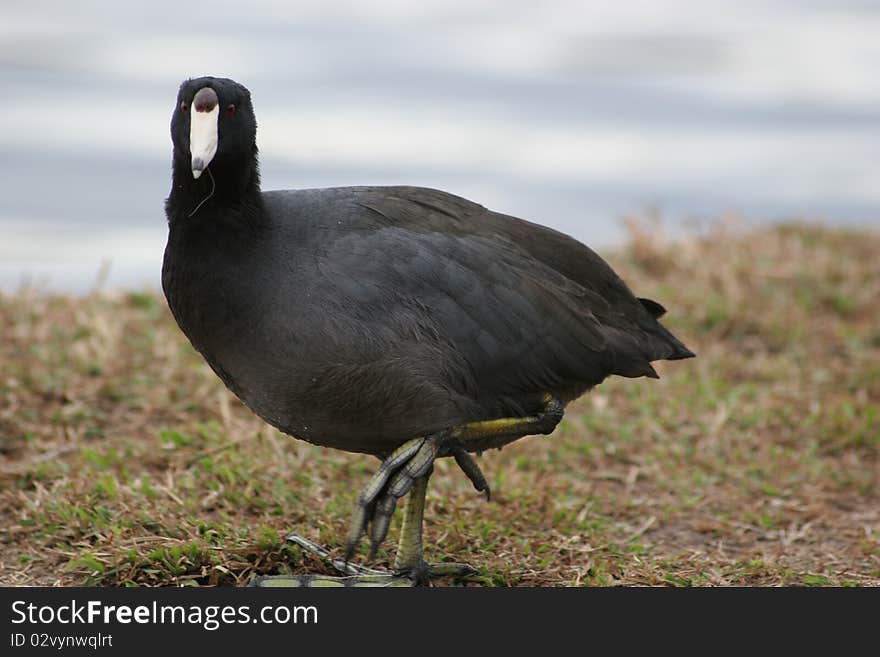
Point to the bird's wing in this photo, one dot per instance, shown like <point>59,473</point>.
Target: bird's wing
<point>412,267</point>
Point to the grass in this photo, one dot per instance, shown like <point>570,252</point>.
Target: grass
<point>124,461</point>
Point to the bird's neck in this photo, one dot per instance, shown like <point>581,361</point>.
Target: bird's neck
<point>224,184</point>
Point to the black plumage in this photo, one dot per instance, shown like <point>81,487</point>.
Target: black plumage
<point>361,317</point>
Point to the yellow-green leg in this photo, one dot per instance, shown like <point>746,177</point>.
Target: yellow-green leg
<point>409,556</point>
<point>407,470</point>
<point>410,560</point>
<point>477,436</point>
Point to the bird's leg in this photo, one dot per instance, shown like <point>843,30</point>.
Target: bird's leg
<point>414,460</point>
<point>409,556</point>
<point>410,560</point>
<point>396,475</point>
<point>408,469</point>
<point>344,567</point>
<point>496,433</point>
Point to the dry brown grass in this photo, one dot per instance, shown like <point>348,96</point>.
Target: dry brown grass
<point>124,461</point>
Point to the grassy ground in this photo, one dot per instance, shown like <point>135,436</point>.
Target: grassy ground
<point>123,460</point>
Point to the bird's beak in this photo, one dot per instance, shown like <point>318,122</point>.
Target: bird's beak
<point>203,129</point>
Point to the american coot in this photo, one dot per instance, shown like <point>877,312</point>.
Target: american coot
<point>401,322</point>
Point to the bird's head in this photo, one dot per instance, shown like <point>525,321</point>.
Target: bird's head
<point>213,126</point>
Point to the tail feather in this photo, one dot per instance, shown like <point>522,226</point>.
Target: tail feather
<point>672,348</point>
<point>665,345</point>
<point>656,310</point>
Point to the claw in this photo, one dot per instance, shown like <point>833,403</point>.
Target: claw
<point>367,500</point>
<point>358,526</point>
<point>344,567</point>
<point>470,467</point>
<point>398,486</point>
<point>398,457</point>
<point>381,521</point>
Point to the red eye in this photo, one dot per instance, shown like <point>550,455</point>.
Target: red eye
<point>183,106</point>
<point>230,109</point>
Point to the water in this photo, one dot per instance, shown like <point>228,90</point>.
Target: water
<point>572,114</point>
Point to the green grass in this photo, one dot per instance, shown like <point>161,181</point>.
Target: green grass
<point>124,461</point>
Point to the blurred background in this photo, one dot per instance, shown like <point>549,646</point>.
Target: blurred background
<point>569,113</point>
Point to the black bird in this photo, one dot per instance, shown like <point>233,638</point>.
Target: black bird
<point>401,322</point>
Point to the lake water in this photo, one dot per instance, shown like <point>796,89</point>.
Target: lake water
<point>571,114</point>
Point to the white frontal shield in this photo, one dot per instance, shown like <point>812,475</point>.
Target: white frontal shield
<point>202,138</point>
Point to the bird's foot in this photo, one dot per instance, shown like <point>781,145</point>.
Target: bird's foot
<point>361,576</point>
<point>343,566</point>
<point>327,581</point>
<point>429,571</point>
<point>353,574</point>
<point>388,579</point>
<point>395,477</point>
